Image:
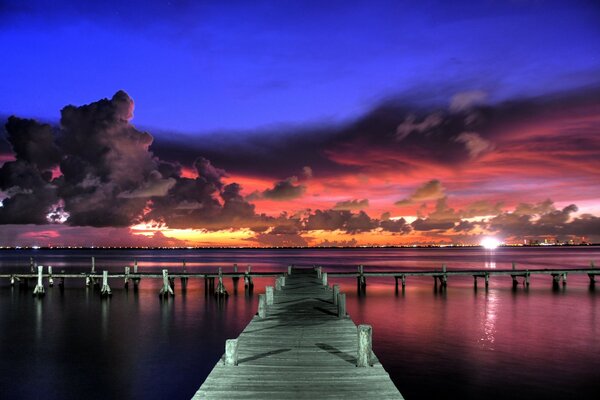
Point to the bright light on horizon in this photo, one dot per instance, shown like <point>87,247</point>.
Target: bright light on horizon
<point>490,243</point>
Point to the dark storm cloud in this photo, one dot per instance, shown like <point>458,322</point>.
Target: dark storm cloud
<point>26,182</point>
<point>400,134</point>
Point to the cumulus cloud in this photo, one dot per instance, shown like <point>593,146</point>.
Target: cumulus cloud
<point>351,204</point>
<point>432,190</point>
<point>287,189</point>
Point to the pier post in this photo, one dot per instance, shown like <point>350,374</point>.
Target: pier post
<point>166,290</point>
<point>105,291</point>
<point>289,269</point>
<point>527,278</point>
<point>235,279</point>
<point>93,265</point>
<point>184,279</point>
<point>12,280</point>
<point>50,278</point>
<point>555,280</point>
<point>444,278</point>
<point>515,282</point>
<point>342,305</point>
<point>336,292</point>
<point>403,281</point>
<point>475,281</point>
<point>262,306</point>
<point>278,283</point>
<point>126,283</point>
<point>248,279</point>
<point>88,280</point>
<point>39,288</point>
<point>396,283</point>
<point>136,281</point>
<point>283,281</point>
<point>221,291</point>
<point>564,279</point>
<point>269,295</point>
<point>135,267</point>
<point>487,280</point>
<point>231,352</point>
<point>31,265</point>
<point>324,276</point>
<point>365,345</point>
<point>360,279</point>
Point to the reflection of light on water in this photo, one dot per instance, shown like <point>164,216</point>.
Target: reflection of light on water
<point>488,328</point>
<point>38,320</point>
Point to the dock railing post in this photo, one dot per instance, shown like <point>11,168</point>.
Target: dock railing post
<point>336,291</point>
<point>262,306</point>
<point>105,291</point>
<point>341,305</point>
<point>39,288</point>
<point>324,276</point>
<point>289,270</point>
<point>93,265</point>
<point>278,283</point>
<point>365,345</point>
<point>50,278</point>
<point>135,267</point>
<point>269,295</point>
<point>231,352</point>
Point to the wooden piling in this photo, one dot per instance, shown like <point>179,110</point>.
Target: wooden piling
<point>39,288</point>
<point>126,282</point>
<point>341,305</point>
<point>336,292</point>
<point>93,265</point>
<point>262,306</point>
<point>324,278</point>
<point>166,289</point>
<point>50,278</point>
<point>269,295</point>
<point>105,291</point>
<point>365,345</point>
<point>278,283</point>
<point>289,269</point>
<point>231,352</point>
<point>221,291</point>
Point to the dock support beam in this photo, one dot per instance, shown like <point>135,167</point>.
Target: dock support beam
<point>262,306</point>
<point>365,345</point>
<point>269,295</point>
<point>341,305</point>
<point>39,288</point>
<point>105,291</point>
<point>231,352</point>
<point>166,290</point>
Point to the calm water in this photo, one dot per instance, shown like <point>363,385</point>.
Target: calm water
<point>523,343</point>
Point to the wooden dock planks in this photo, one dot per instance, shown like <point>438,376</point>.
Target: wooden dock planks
<point>301,350</point>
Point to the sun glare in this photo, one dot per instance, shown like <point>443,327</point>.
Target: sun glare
<point>490,243</point>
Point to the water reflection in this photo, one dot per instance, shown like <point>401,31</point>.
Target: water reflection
<point>488,321</point>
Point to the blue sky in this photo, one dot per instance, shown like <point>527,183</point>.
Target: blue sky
<point>246,65</point>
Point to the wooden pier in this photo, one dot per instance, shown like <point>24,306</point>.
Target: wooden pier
<point>300,345</point>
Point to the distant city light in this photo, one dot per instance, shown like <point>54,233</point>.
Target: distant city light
<point>490,243</point>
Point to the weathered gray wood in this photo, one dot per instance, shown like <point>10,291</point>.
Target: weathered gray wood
<point>336,291</point>
<point>299,350</point>
<point>324,277</point>
<point>341,305</point>
<point>365,345</point>
<point>262,306</point>
<point>269,295</point>
<point>39,288</point>
<point>231,352</point>
<point>50,278</point>
<point>105,291</point>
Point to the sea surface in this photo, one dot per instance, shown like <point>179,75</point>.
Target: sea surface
<point>499,343</point>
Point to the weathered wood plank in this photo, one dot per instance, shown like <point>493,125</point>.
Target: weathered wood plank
<point>301,349</point>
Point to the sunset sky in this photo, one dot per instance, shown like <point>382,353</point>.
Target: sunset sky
<point>305,123</point>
